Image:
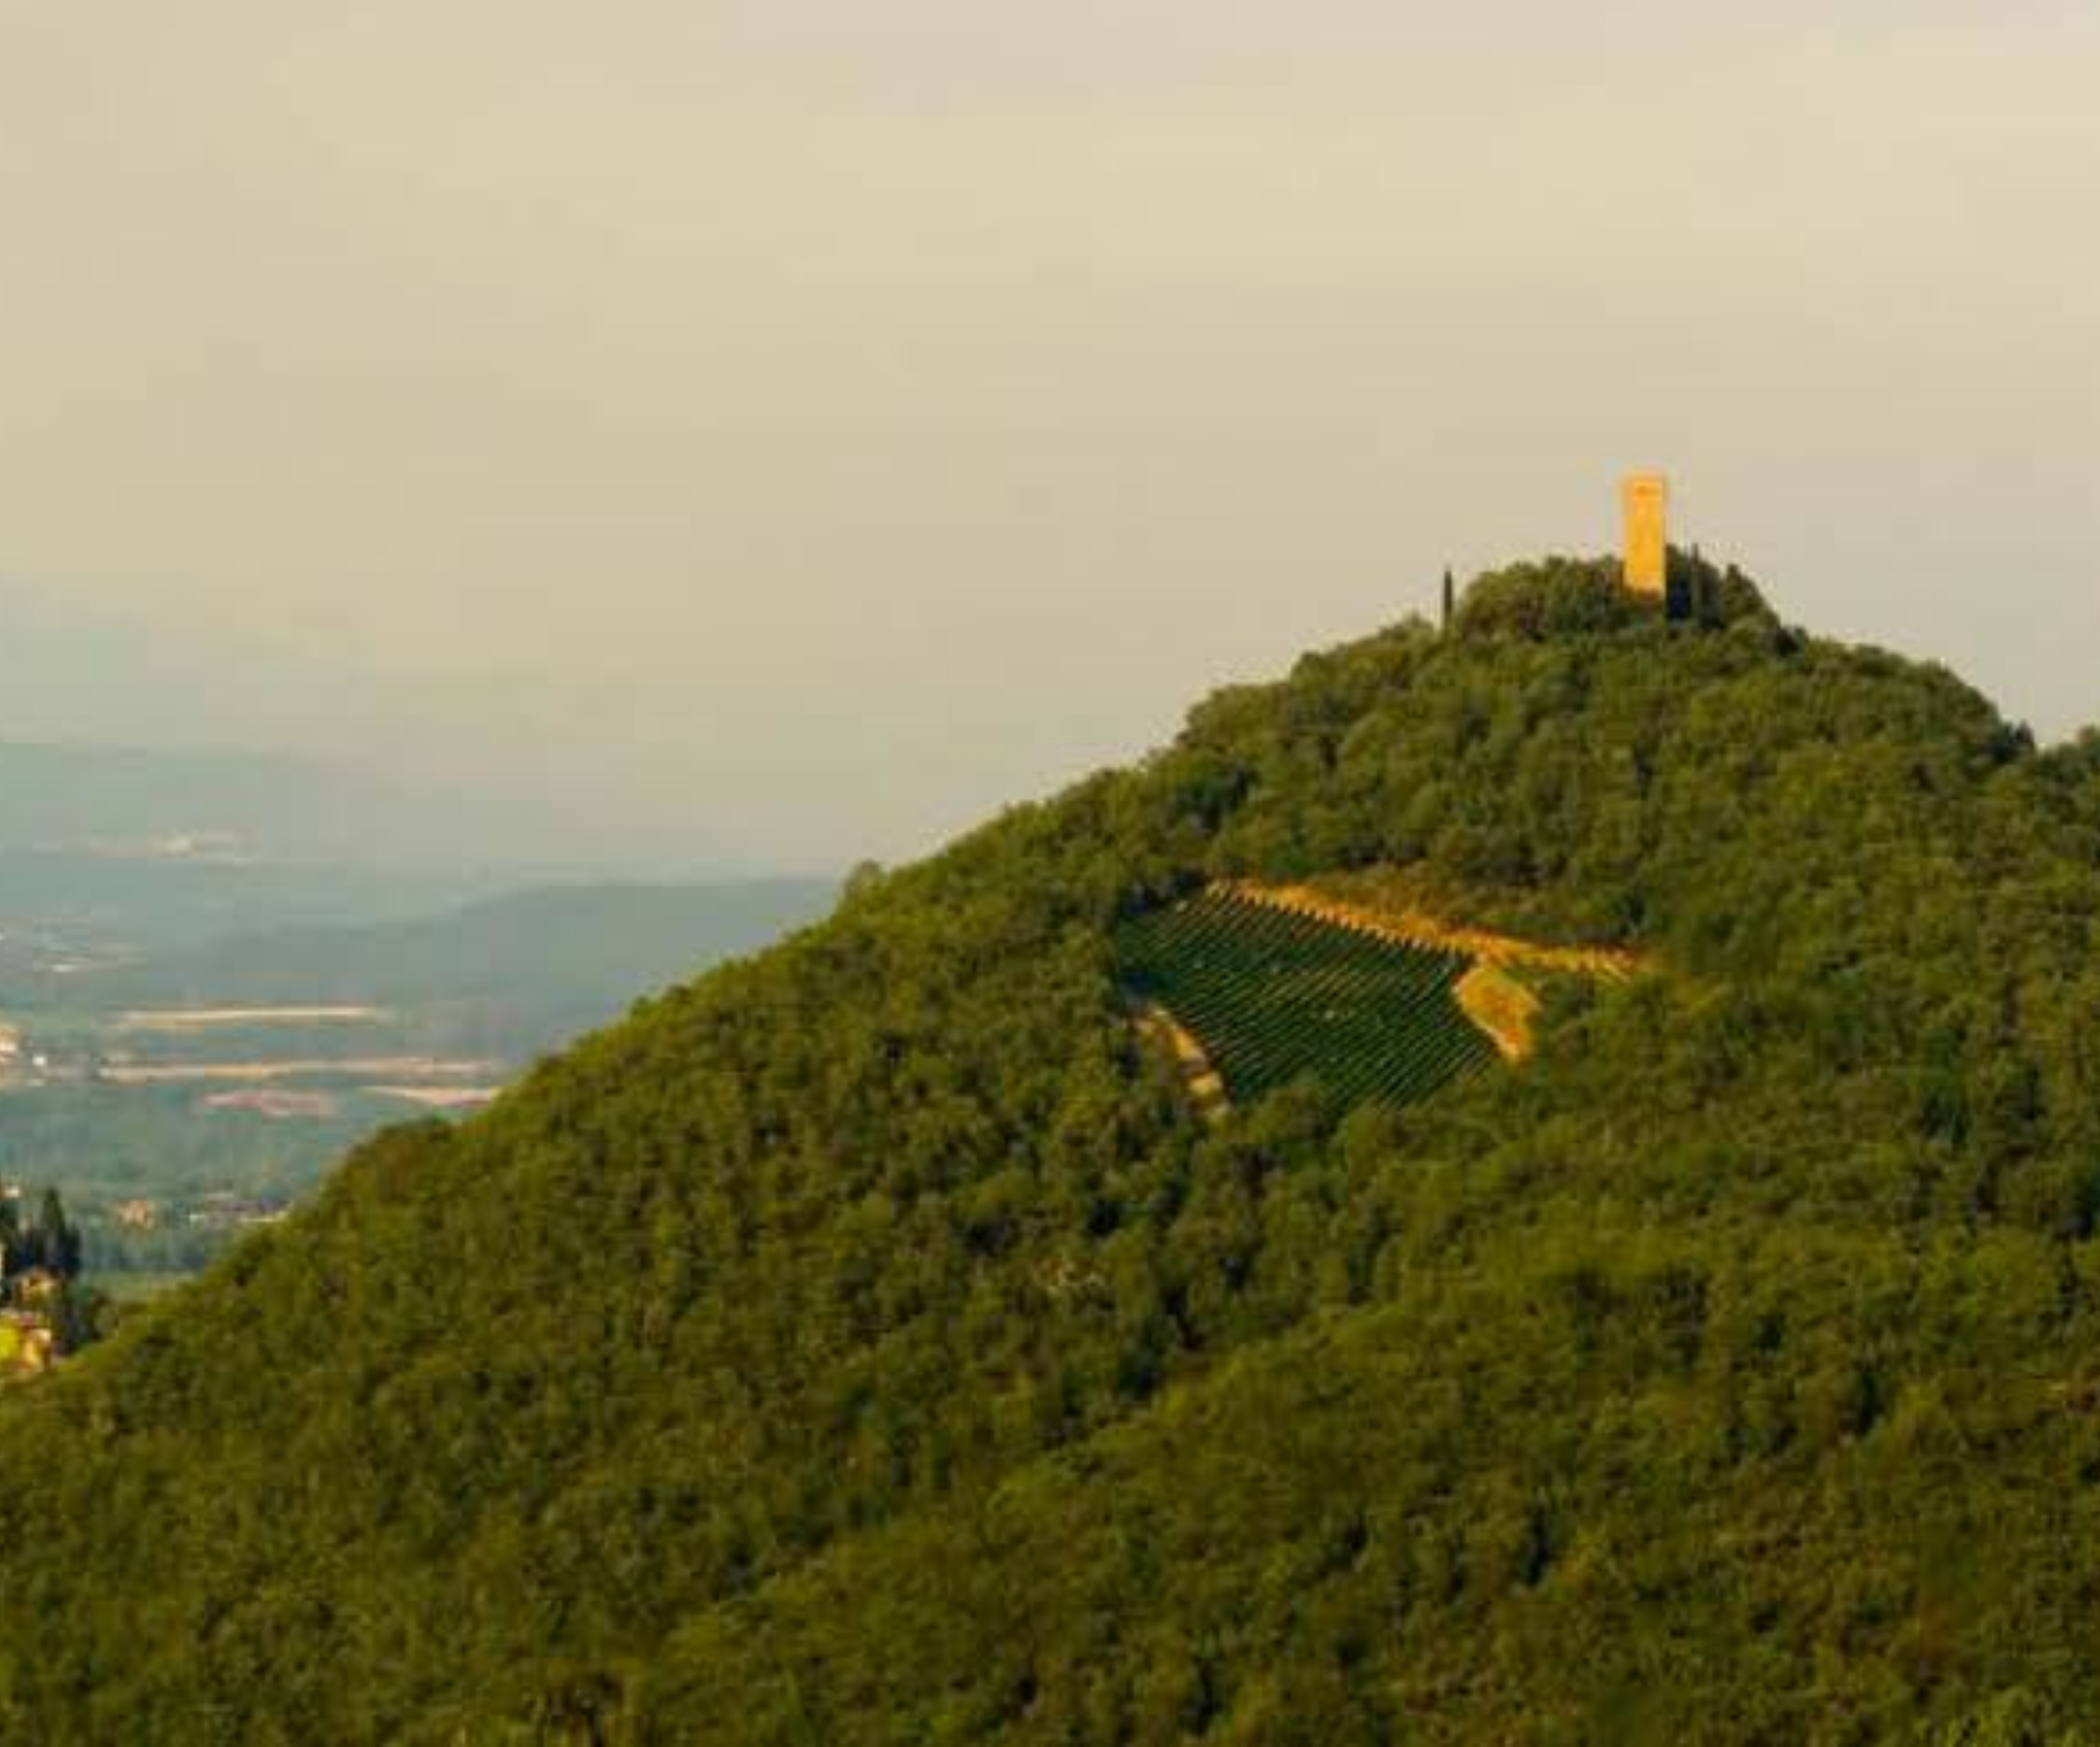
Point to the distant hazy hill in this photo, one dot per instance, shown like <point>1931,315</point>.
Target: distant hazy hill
<point>170,804</point>
<point>98,716</point>
<point>155,848</point>
<point>166,849</point>
<point>157,903</point>
<point>465,757</point>
<point>876,1341</point>
<point>558,952</point>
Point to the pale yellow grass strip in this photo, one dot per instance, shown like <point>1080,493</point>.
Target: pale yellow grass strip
<point>1412,929</point>
<point>1199,1074</point>
<point>360,1067</point>
<point>1500,1006</point>
<point>206,1019</point>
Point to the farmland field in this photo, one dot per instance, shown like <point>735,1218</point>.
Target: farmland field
<point>1276,996</point>
<point>178,1097</point>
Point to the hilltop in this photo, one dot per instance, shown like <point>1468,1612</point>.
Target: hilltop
<point>878,1340</point>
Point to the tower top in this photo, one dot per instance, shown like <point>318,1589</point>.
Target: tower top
<point>1644,500</point>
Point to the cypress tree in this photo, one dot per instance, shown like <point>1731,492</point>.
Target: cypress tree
<point>1677,589</point>
<point>60,1244</point>
<point>1450,598</point>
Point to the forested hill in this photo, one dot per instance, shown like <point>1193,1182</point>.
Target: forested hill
<point>874,1342</point>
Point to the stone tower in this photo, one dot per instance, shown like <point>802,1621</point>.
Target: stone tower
<point>1644,499</point>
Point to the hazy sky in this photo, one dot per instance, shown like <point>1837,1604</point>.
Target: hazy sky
<point>825,419</point>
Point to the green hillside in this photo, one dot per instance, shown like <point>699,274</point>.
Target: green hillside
<point>873,1342</point>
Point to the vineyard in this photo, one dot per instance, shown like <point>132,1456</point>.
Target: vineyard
<point>1273,996</point>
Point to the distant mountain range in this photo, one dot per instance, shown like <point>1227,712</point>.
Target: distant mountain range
<point>568,956</point>
<point>109,732</point>
<point>126,804</point>
<point>104,848</point>
<point>654,772</point>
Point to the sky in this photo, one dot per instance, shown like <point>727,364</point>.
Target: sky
<point>802,426</point>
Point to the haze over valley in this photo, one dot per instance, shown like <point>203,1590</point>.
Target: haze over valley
<point>763,438</point>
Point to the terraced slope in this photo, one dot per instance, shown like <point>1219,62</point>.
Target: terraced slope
<point>1275,996</point>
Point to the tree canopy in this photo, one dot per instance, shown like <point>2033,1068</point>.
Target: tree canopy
<point>871,1342</point>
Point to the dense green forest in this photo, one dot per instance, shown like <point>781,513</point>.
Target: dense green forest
<point>871,1341</point>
